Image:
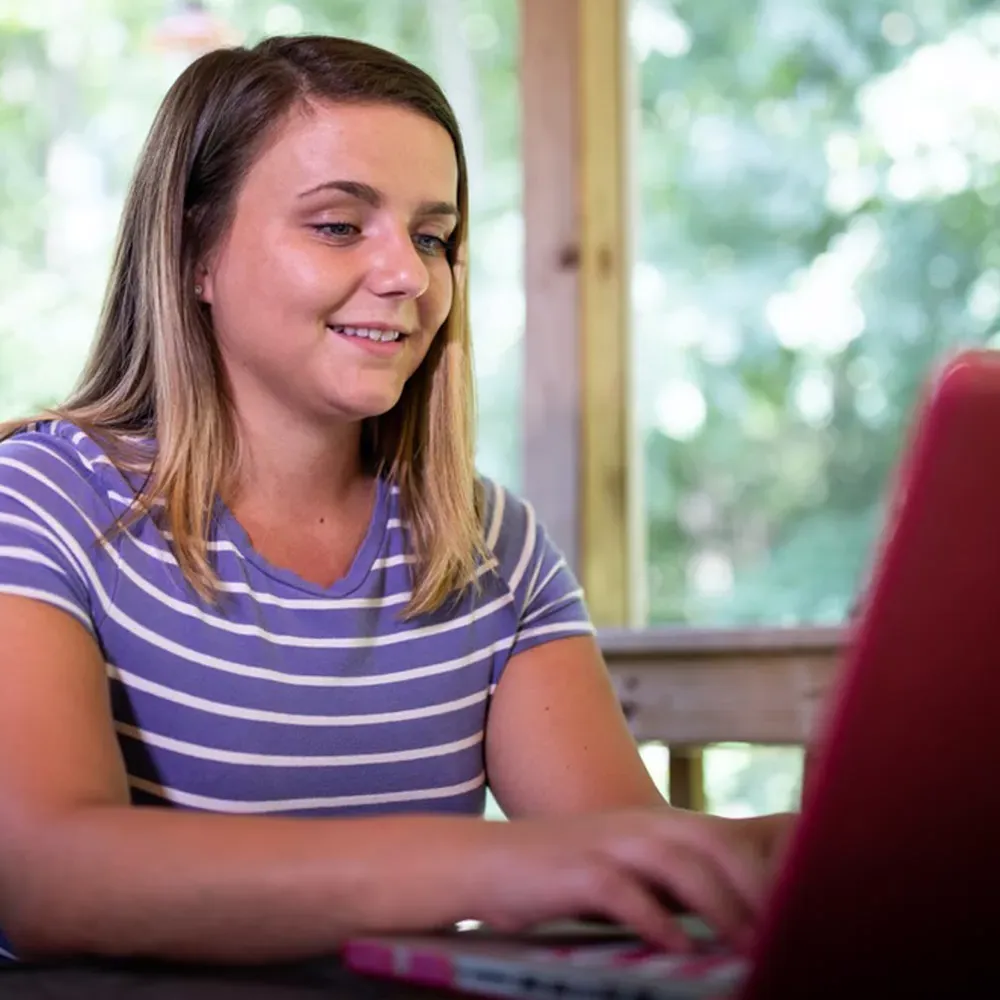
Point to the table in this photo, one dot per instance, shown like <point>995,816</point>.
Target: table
<point>145,981</point>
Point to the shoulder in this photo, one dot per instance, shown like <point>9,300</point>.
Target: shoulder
<point>548,600</point>
<point>54,466</point>
<point>510,526</point>
<point>44,452</point>
<point>55,510</point>
<point>525,554</point>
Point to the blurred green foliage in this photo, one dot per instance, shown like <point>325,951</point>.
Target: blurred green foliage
<point>818,182</point>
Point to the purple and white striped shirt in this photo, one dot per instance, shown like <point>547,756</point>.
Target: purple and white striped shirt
<point>284,697</point>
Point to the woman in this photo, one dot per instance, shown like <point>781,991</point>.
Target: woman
<point>266,634</point>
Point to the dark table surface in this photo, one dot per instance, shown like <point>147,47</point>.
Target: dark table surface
<point>305,981</point>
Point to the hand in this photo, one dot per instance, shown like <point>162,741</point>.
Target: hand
<point>619,865</point>
<point>768,836</point>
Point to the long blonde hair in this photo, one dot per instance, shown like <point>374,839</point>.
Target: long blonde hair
<point>154,369</point>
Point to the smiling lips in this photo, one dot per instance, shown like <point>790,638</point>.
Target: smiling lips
<point>374,334</point>
<point>372,340</point>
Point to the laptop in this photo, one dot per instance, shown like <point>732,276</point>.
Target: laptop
<point>890,884</point>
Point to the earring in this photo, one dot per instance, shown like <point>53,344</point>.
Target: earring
<point>198,290</point>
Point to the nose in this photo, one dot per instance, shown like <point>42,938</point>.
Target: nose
<point>396,268</point>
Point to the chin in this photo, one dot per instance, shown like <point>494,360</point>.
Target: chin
<point>366,407</point>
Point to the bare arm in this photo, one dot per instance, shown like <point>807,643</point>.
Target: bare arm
<point>558,742</point>
<point>81,870</point>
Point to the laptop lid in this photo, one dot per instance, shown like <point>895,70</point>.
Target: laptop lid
<point>892,879</point>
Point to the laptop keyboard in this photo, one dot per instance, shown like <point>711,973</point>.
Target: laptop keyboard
<point>709,965</point>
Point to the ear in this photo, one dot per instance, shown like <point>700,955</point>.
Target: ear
<point>204,283</point>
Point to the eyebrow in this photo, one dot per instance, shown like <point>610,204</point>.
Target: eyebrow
<point>372,196</point>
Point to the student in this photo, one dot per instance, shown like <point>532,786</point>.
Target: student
<point>266,636</point>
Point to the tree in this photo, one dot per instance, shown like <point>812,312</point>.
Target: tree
<point>816,235</point>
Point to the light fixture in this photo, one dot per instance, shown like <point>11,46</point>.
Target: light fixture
<point>193,29</point>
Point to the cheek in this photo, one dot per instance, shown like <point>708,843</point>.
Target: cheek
<point>256,300</point>
<point>273,272</point>
<point>435,304</point>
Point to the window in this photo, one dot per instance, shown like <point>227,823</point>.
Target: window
<point>79,84</point>
<point>818,184</point>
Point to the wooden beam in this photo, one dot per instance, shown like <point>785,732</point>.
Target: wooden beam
<point>715,643</point>
<point>552,383</point>
<point>690,688</point>
<point>609,445</point>
<point>579,445</point>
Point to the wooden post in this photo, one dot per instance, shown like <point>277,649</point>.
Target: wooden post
<point>579,465</point>
<point>552,355</point>
<point>686,779</point>
<point>582,462</point>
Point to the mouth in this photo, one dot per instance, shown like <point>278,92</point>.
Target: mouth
<point>371,338</point>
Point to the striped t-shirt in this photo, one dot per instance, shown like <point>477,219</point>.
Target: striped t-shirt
<point>283,697</point>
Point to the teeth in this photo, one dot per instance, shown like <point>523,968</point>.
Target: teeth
<point>368,333</point>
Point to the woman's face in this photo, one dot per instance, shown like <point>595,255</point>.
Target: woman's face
<point>334,278</point>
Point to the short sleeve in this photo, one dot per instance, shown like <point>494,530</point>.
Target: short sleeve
<point>548,600</point>
<point>41,555</point>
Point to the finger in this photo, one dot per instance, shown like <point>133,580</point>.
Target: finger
<point>624,897</point>
<point>697,882</point>
<point>733,852</point>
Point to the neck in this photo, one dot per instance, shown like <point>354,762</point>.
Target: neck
<point>285,465</point>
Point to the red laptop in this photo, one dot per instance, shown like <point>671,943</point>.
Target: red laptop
<point>891,883</point>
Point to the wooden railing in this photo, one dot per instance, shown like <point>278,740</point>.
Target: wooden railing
<point>690,688</point>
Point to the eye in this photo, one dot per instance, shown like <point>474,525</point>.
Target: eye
<point>338,230</point>
<point>433,245</point>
